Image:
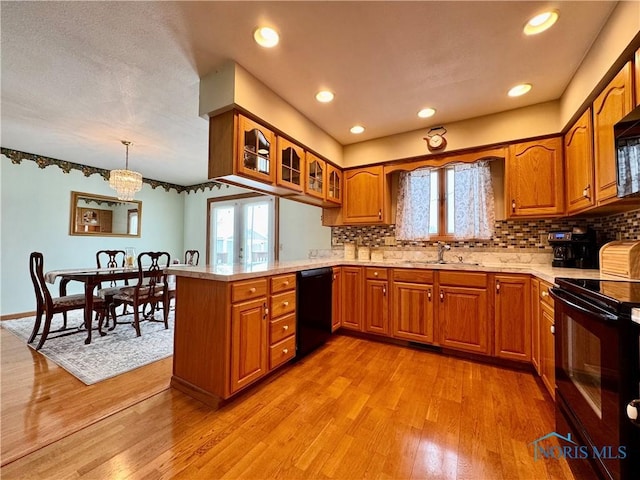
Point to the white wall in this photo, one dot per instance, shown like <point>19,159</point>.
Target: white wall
<point>35,206</point>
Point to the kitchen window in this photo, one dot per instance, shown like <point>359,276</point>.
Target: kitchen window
<point>452,202</point>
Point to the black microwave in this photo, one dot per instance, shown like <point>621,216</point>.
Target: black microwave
<point>627,138</point>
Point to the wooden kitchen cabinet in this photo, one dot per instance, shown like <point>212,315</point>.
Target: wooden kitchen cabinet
<point>291,165</point>
<point>282,324</point>
<point>463,311</point>
<point>366,196</point>
<point>512,317</point>
<point>256,150</point>
<point>614,102</point>
<point>334,184</point>
<point>413,302</point>
<point>535,324</point>
<point>534,179</point>
<point>636,64</point>
<point>376,301</point>
<point>578,157</point>
<point>336,307</point>
<point>547,339</point>
<point>316,177</point>
<point>352,298</point>
<point>248,342</point>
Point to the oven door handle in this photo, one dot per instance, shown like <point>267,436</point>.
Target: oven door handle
<point>563,297</point>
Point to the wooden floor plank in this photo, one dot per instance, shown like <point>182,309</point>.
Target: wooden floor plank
<point>353,409</point>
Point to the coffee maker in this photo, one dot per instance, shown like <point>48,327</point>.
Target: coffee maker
<point>575,249</point>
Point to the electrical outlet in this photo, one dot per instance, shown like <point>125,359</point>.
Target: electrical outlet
<point>390,241</point>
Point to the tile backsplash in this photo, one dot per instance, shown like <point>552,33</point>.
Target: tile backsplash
<point>511,234</point>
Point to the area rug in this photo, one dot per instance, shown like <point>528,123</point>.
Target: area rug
<point>117,352</point>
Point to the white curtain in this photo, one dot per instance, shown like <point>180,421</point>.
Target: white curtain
<point>473,201</point>
<point>414,193</point>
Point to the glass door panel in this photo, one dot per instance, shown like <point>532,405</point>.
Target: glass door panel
<point>290,165</point>
<point>315,176</point>
<point>256,150</point>
<point>223,226</point>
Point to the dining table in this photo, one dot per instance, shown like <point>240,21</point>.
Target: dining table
<point>91,278</point>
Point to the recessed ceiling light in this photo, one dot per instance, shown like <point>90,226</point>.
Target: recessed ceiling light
<point>357,129</point>
<point>541,22</point>
<point>324,96</point>
<point>519,90</point>
<point>427,112</point>
<point>266,37</point>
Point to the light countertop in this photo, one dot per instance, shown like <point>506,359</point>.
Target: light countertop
<point>240,272</point>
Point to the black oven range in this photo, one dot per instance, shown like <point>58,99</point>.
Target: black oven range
<point>597,349</point>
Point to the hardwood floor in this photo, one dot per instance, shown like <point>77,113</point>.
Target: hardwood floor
<point>353,409</point>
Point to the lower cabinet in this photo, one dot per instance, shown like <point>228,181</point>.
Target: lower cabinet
<point>412,305</point>
<point>352,298</point>
<point>336,297</point>
<point>376,301</point>
<point>547,340</point>
<point>463,312</point>
<point>282,326</point>
<point>248,342</point>
<point>535,324</point>
<point>512,326</point>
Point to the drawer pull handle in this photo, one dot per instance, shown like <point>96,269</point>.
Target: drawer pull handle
<point>252,290</point>
<point>375,274</point>
<point>286,283</point>
<point>544,293</point>
<point>285,304</point>
<point>285,350</point>
<point>285,328</point>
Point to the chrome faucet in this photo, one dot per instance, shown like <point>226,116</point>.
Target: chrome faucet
<point>441,248</point>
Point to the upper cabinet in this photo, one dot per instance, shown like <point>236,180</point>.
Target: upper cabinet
<point>637,79</point>
<point>534,181</point>
<point>256,149</point>
<point>316,178</point>
<point>366,196</point>
<point>334,184</point>
<point>613,103</point>
<point>578,157</point>
<point>291,163</point>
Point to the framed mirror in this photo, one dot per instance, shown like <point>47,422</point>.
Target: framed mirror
<point>99,215</point>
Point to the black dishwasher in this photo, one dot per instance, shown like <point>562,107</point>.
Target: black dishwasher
<point>313,308</point>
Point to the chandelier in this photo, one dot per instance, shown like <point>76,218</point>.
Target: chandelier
<point>126,182</point>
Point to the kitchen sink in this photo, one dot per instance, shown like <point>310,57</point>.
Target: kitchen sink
<point>436,262</point>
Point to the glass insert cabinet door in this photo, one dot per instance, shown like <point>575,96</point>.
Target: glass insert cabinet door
<point>334,186</point>
<point>291,162</point>
<point>256,149</point>
<point>242,232</point>
<point>316,174</point>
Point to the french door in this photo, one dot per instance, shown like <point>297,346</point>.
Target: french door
<point>242,231</point>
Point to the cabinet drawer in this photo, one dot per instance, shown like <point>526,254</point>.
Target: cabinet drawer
<point>283,283</point>
<point>463,279</point>
<point>283,303</point>
<point>248,289</point>
<point>413,275</point>
<point>282,351</point>
<point>376,273</point>
<point>544,293</point>
<point>282,328</point>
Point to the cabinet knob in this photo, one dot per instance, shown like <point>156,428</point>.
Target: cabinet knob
<point>544,293</point>
<point>285,304</point>
<point>252,290</point>
<point>632,411</point>
<point>429,294</point>
<point>380,214</point>
<point>285,327</point>
<point>285,350</point>
<point>552,328</point>
<point>513,206</point>
<point>441,296</point>
<point>375,274</point>
<point>384,291</point>
<point>586,192</point>
<point>498,287</point>
<point>285,283</point>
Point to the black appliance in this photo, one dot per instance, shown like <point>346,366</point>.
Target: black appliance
<point>627,138</point>
<point>575,249</point>
<point>313,309</point>
<point>597,355</point>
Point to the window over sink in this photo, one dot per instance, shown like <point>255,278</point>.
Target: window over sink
<point>451,202</point>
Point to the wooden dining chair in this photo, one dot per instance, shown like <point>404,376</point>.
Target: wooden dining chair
<point>191,257</point>
<point>48,306</point>
<point>111,259</point>
<point>151,288</point>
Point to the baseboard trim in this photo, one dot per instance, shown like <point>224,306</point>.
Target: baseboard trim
<point>13,316</point>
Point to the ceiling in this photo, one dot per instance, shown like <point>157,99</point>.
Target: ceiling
<point>77,77</point>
